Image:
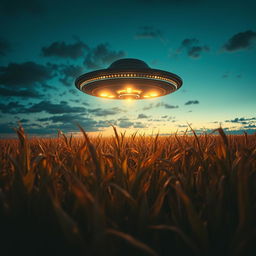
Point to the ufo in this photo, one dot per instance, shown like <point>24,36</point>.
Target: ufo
<point>130,79</point>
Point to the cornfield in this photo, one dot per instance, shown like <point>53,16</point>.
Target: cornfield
<point>128,195</point>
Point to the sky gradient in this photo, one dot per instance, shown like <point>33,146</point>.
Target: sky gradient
<point>45,45</point>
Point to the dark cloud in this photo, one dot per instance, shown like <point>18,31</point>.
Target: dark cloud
<point>47,87</point>
<point>196,51</point>
<point>104,112</point>
<point>250,126</point>
<point>125,124</point>
<point>24,120</point>
<point>42,106</point>
<point>70,73</point>
<point>14,7</point>
<point>68,122</point>
<point>140,116</point>
<point>241,41</point>
<point>169,118</point>
<point>180,2</point>
<point>24,75</point>
<point>189,42</point>
<point>225,75</point>
<point>169,106</point>
<point>52,108</point>
<point>242,120</point>
<point>49,129</point>
<point>193,48</point>
<point>6,128</point>
<point>64,50</point>
<point>4,92</point>
<point>101,56</point>
<point>13,107</point>
<point>75,101</point>
<point>148,32</point>
<point>51,124</point>
<point>150,106</point>
<point>191,102</point>
<point>73,91</point>
<point>139,125</point>
<point>160,104</point>
<point>105,123</point>
<point>66,118</point>
<point>123,119</point>
<point>26,80</point>
<point>5,47</point>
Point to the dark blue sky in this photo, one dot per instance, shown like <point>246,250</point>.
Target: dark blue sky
<point>45,45</point>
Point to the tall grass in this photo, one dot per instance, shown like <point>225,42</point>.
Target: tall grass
<point>128,195</point>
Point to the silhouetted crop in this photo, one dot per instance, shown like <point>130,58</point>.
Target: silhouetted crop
<point>128,195</point>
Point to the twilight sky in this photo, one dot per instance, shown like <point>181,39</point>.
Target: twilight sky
<point>45,45</point>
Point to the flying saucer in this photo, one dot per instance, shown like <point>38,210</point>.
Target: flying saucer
<point>128,79</point>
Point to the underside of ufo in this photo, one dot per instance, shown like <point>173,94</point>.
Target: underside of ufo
<point>128,79</point>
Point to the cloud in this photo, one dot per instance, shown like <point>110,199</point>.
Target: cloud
<point>228,74</point>
<point>180,2</point>
<point>5,47</point>
<point>148,32</point>
<point>24,75</point>
<point>191,102</point>
<point>70,73</point>
<point>67,122</point>
<point>169,106</point>
<point>101,55</point>
<point>160,104</point>
<point>250,126</point>
<point>189,42</point>
<point>52,108</point>
<point>225,75</point>
<point>139,125</point>
<point>64,50</point>
<point>69,125</point>
<point>192,47</point>
<point>74,92</point>
<point>13,7</point>
<point>196,51</point>
<point>25,79</point>
<point>104,112</point>
<point>4,92</point>
<point>13,107</point>
<point>140,116</point>
<point>241,120</point>
<point>241,41</point>
<point>66,118</point>
<point>150,106</point>
<point>51,124</point>
<point>75,101</point>
<point>125,124</point>
<point>123,119</point>
<point>24,120</point>
<point>105,123</point>
<point>42,106</point>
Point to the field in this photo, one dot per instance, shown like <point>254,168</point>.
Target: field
<point>128,195</point>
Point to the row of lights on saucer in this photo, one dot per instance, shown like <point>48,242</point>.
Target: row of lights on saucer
<point>128,91</point>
